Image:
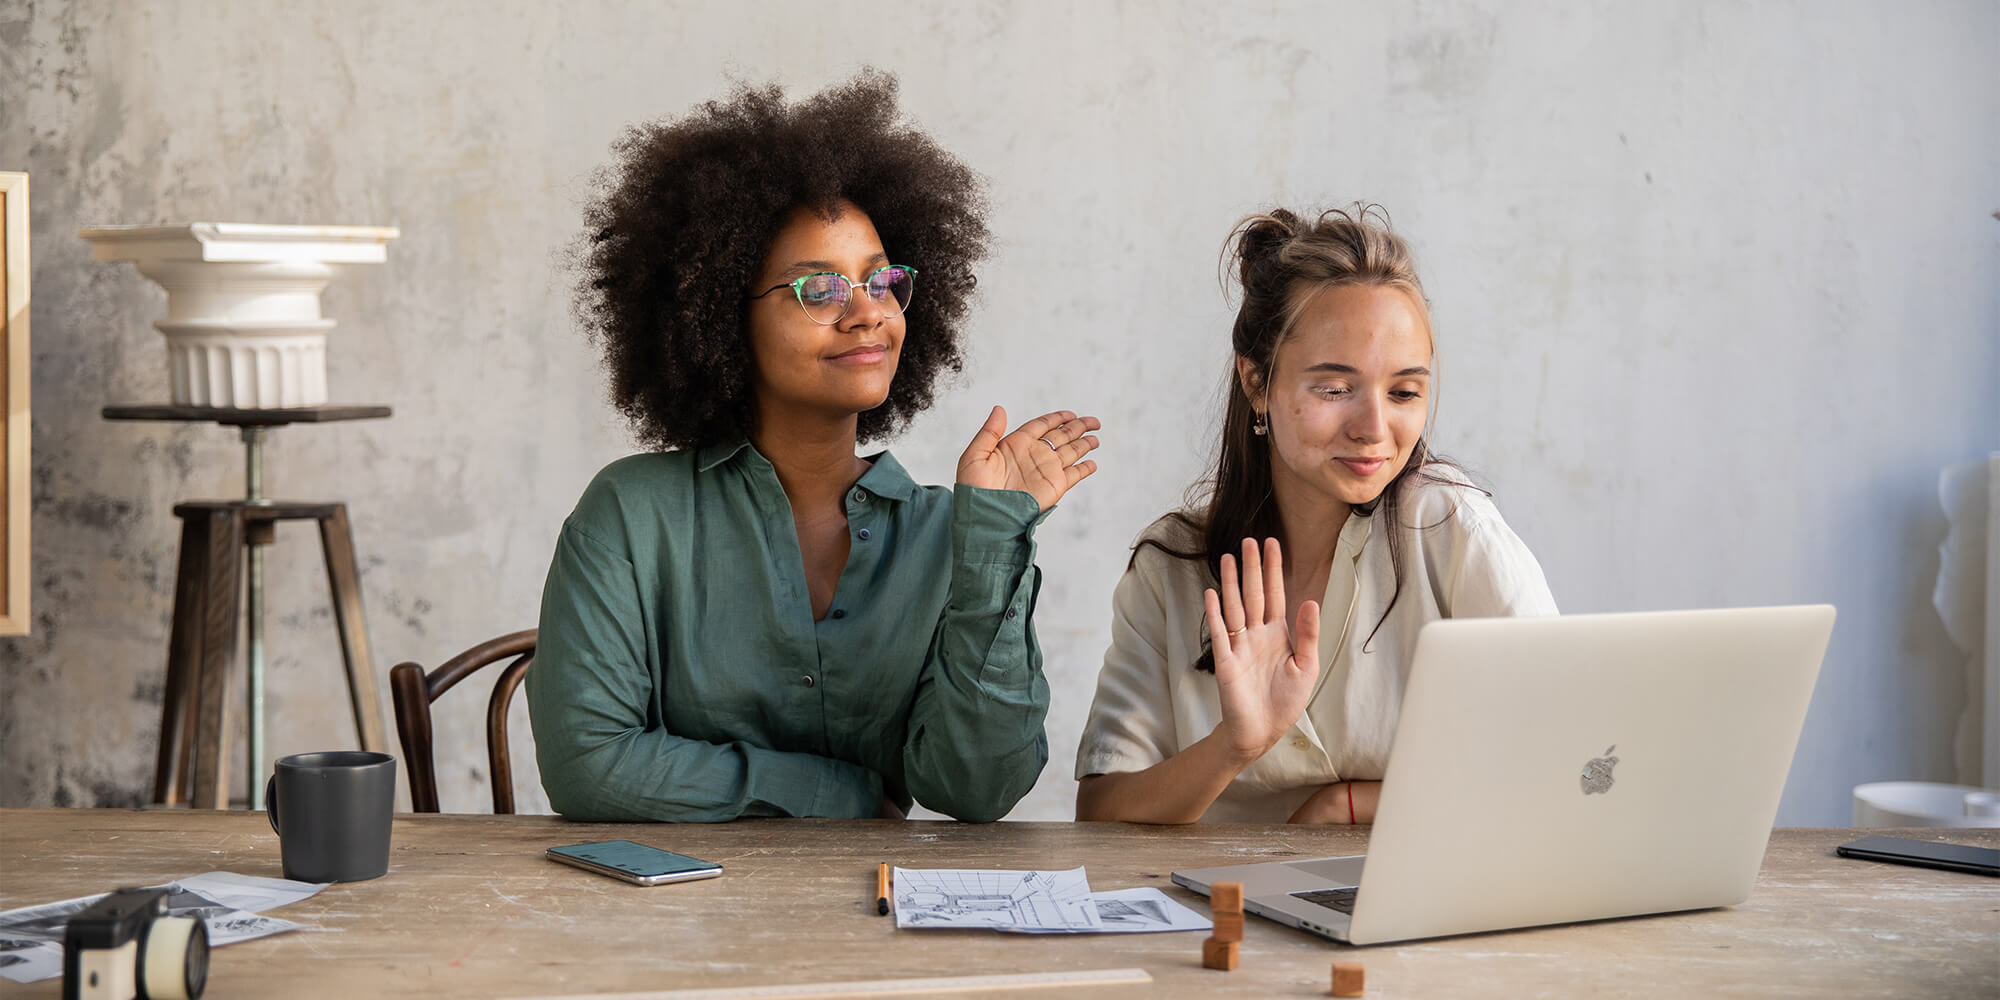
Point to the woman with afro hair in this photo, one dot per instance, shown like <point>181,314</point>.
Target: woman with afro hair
<point>750,620</point>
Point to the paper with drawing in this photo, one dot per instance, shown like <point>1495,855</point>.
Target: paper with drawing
<point>993,898</point>
<point>1032,902</point>
<point>31,937</point>
<point>1144,910</point>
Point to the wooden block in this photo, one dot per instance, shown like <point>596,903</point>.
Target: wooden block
<point>1347,979</point>
<point>1228,927</point>
<point>1220,954</point>
<point>1226,897</point>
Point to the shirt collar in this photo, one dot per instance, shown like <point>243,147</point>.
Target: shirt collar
<point>709,456</point>
<point>1354,535</point>
<point>885,477</point>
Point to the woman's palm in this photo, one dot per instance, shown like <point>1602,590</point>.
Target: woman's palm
<point>1043,459</point>
<point>1264,676</point>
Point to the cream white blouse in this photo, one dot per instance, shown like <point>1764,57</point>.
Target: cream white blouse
<point>1460,560</point>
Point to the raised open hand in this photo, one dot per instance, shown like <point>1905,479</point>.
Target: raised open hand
<point>1264,670</point>
<point>1041,458</point>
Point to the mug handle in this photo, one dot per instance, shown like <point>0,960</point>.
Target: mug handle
<point>271,803</point>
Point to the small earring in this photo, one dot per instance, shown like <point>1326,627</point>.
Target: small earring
<point>1262,426</point>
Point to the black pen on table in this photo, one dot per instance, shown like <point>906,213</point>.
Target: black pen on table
<point>882,890</point>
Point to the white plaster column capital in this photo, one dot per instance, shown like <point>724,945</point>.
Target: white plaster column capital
<point>243,324</point>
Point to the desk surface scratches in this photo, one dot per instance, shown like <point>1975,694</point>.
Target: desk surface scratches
<point>470,908</point>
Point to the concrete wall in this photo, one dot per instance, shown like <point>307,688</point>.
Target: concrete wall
<point>1715,286</point>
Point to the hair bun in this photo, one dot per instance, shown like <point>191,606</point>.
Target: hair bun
<point>1262,235</point>
<point>1259,239</point>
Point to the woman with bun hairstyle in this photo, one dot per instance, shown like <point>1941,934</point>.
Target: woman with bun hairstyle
<point>1261,636</point>
<point>751,619</point>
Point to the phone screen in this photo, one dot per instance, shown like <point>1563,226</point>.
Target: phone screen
<point>1926,853</point>
<point>635,862</point>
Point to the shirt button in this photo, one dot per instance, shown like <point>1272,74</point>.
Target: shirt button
<point>858,496</point>
<point>807,680</point>
<point>1302,743</point>
<point>862,534</point>
<point>837,613</point>
<point>1011,613</point>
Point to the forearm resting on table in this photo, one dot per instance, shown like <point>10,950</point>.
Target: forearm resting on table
<point>1367,794</point>
<point>1340,802</point>
<point>654,776</point>
<point>1176,790</point>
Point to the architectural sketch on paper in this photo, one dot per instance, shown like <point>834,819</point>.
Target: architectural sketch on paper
<point>994,898</point>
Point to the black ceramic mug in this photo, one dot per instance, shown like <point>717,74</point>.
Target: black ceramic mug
<point>331,812</point>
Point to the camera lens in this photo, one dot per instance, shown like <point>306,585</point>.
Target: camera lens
<point>173,963</point>
<point>196,978</point>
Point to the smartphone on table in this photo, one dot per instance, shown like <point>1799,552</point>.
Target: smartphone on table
<point>634,863</point>
<point>1924,853</point>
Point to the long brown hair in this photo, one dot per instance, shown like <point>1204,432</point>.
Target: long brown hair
<point>1280,261</point>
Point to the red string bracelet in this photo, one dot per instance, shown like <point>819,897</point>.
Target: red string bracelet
<point>1351,819</point>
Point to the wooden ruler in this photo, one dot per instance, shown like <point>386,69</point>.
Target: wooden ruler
<point>884,987</point>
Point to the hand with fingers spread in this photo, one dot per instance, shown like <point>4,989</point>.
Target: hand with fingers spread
<point>1043,458</point>
<point>1264,670</point>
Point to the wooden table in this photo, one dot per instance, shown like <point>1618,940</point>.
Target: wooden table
<point>470,908</point>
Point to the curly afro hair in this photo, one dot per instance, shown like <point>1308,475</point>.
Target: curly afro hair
<point>687,211</point>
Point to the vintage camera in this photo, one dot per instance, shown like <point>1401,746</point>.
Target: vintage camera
<point>125,946</point>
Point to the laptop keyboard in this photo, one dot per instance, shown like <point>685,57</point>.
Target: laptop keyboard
<point>1333,899</point>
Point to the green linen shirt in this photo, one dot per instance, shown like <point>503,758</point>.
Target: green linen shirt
<point>679,674</point>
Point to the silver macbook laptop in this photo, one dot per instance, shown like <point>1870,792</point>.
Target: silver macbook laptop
<point>1549,770</point>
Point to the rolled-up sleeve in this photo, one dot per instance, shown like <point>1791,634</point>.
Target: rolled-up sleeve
<point>976,743</point>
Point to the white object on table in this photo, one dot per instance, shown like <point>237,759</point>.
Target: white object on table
<point>1923,803</point>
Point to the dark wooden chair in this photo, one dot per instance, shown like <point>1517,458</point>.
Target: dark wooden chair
<point>413,691</point>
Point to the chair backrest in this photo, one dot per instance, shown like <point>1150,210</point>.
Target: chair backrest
<point>413,691</point>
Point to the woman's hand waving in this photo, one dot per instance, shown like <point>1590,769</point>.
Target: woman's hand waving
<point>1264,670</point>
<point>1040,459</point>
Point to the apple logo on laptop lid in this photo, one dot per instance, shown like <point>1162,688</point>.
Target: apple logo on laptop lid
<point>1596,777</point>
